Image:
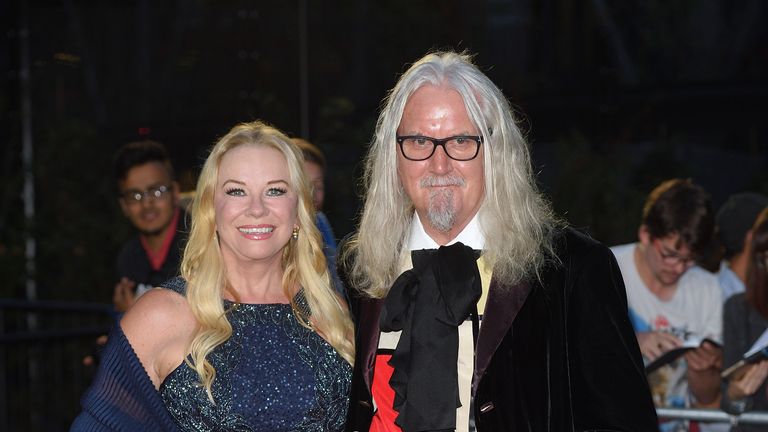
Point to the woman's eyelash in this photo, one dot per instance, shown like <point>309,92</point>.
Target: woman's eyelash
<point>276,191</point>
<point>273,191</point>
<point>235,191</point>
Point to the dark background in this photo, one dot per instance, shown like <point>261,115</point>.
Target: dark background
<point>616,96</point>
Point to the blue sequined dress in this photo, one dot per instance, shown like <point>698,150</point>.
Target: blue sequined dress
<point>273,374</point>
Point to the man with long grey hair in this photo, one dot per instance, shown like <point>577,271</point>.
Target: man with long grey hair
<point>533,335</point>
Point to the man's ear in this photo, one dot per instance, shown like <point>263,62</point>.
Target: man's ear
<point>747,241</point>
<point>643,234</point>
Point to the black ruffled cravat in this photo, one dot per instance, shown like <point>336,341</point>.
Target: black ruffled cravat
<point>428,303</point>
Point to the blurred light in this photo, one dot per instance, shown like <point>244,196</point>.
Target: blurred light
<point>66,57</point>
<point>144,131</point>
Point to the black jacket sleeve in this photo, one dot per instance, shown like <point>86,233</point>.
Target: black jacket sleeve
<point>610,389</point>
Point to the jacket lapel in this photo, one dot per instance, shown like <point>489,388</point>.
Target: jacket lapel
<point>368,337</point>
<point>504,302</point>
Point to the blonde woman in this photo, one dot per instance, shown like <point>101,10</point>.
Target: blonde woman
<point>252,335</point>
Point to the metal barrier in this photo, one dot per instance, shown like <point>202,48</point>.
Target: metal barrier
<point>42,345</point>
<point>716,416</point>
<point>42,378</point>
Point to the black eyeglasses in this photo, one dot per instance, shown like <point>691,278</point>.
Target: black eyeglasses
<point>459,147</point>
<point>134,196</point>
<point>672,258</point>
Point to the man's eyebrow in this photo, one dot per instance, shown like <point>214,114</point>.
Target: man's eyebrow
<point>462,133</point>
<point>152,186</point>
<point>676,253</point>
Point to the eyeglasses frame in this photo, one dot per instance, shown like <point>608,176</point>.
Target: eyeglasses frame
<point>439,142</point>
<point>672,259</point>
<point>130,196</point>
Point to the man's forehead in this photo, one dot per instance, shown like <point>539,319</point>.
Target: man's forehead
<point>434,101</point>
<point>674,242</point>
<point>146,174</point>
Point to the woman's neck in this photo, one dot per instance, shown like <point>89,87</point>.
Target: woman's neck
<point>256,283</point>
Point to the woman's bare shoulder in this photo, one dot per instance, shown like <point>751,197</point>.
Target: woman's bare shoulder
<point>158,311</point>
<point>159,327</point>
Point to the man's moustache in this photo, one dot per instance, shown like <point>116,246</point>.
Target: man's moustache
<point>433,181</point>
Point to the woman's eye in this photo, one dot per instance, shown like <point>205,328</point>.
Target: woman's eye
<point>235,192</point>
<point>276,191</point>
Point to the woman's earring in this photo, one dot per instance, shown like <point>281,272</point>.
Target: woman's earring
<point>295,233</point>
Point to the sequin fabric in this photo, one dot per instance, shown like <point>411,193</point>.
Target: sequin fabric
<point>272,375</point>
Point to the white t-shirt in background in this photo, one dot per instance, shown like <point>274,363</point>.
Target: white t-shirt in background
<point>694,311</point>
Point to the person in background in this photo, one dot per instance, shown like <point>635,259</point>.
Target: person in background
<point>149,198</point>
<point>745,319</point>
<point>734,227</point>
<point>314,165</point>
<point>671,299</point>
<point>252,336</point>
<point>534,335</point>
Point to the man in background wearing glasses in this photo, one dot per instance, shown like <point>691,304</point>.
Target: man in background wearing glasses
<point>149,198</point>
<point>672,301</point>
<point>532,335</point>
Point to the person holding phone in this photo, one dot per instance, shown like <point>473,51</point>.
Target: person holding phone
<point>745,318</point>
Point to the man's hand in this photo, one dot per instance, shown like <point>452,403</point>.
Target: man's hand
<point>707,356</point>
<point>653,344</point>
<point>749,382</point>
<point>92,359</point>
<point>123,296</point>
<point>704,364</point>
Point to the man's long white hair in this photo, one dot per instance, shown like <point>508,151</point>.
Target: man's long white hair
<point>517,221</point>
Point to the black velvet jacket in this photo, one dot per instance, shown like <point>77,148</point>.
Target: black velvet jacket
<point>555,355</point>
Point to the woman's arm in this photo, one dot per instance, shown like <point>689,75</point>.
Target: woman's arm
<point>159,327</point>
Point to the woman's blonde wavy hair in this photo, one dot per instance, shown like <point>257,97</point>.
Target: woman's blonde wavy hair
<point>517,221</point>
<point>303,262</point>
